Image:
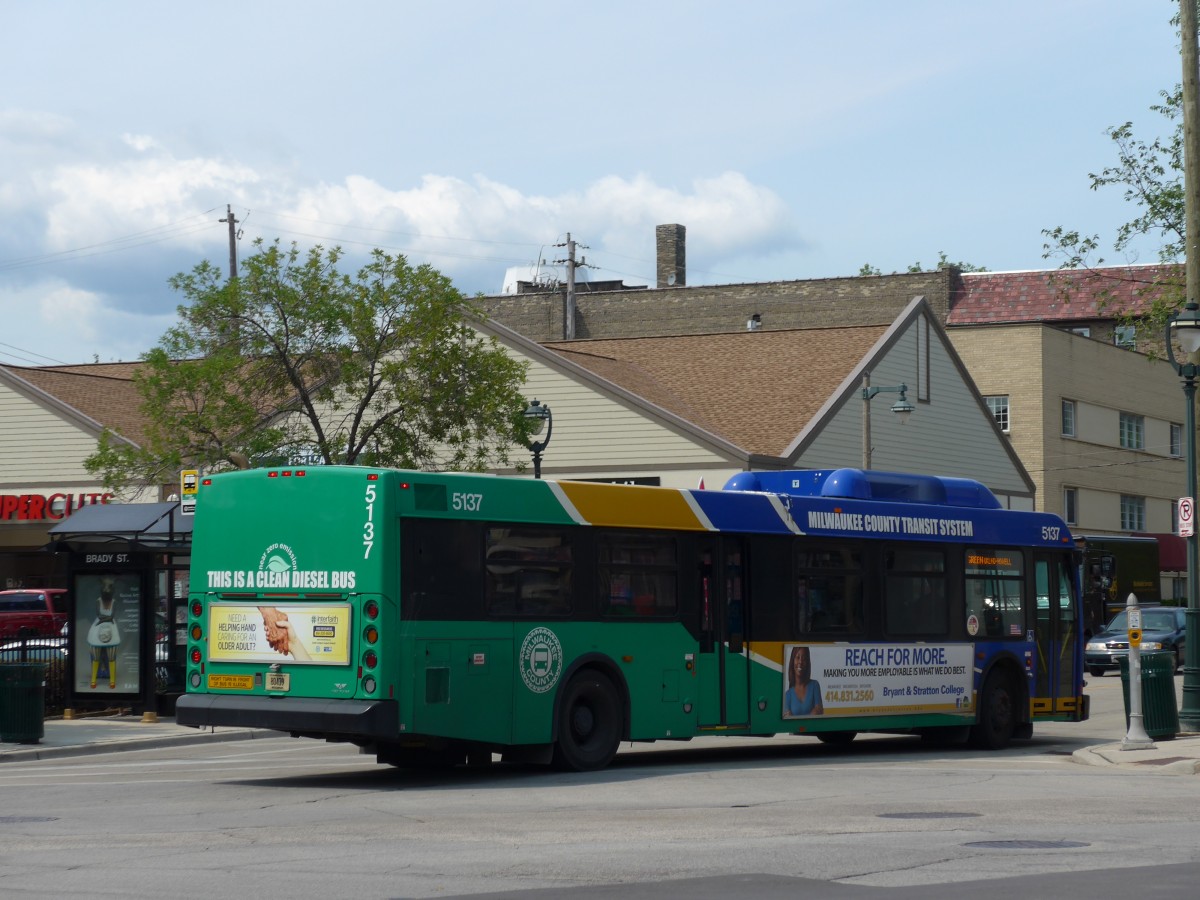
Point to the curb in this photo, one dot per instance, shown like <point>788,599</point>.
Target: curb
<point>149,743</point>
<point>1152,762</point>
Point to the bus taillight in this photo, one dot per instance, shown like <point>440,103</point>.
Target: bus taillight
<point>197,609</point>
<point>370,659</point>
<point>195,654</point>
<point>371,634</point>
<point>197,632</point>
<point>371,609</point>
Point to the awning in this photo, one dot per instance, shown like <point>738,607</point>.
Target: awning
<point>133,526</point>
<point>1172,552</point>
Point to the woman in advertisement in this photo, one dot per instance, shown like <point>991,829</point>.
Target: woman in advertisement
<point>803,696</point>
<point>104,638</point>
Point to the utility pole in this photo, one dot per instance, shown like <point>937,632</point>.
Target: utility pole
<point>569,299</point>
<point>233,236</point>
<point>1191,146</point>
<point>1189,714</point>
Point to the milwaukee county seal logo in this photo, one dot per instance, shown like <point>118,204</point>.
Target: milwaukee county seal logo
<point>541,660</point>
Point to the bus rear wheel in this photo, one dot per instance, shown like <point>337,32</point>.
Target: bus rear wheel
<point>997,714</point>
<point>589,724</point>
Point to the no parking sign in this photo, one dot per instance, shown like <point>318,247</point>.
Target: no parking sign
<point>1187,517</point>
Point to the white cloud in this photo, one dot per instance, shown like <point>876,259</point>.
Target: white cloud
<point>50,321</point>
<point>91,203</point>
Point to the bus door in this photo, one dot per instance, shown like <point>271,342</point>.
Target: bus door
<point>1059,673</point>
<point>723,661</point>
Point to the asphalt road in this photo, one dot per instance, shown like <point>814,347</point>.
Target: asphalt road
<point>757,818</point>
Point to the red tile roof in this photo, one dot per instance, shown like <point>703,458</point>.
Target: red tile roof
<point>1060,295</point>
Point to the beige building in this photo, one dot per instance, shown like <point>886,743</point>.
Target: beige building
<point>1098,428</point>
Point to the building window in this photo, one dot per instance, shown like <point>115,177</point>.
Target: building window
<point>1133,513</point>
<point>1070,506</point>
<point>1125,336</point>
<point>1082,331</point>
<point>1068,418</point>
<point>1176,439</point>
<point>1133,431</point>
<point>998,406</point>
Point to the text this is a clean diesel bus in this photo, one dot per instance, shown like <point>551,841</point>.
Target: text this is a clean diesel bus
<point>441,618</point>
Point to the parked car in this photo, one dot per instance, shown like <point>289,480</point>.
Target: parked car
<point>46,649</point>
<point>28,612</point>
<point>1162,629</point>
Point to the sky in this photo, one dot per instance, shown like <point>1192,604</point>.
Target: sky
<point>793,139</point>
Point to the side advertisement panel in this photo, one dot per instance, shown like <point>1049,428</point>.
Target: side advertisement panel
<point>876,679</point>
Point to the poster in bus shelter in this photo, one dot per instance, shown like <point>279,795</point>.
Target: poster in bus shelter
<point>876,679</point>
<point>272,634</point>
<point>107,633</point>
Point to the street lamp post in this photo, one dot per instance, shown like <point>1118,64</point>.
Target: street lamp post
<point>540,415</point>
<point>1184,327</point>
<point>901,408</point>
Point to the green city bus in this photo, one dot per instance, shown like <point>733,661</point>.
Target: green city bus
<point>441,618</point>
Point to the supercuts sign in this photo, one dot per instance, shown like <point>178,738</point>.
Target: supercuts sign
<point>45,507</point>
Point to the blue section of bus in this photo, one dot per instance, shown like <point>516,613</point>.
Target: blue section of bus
<point>860,484</point>
<point>870,504</point>
<point>742,512</point>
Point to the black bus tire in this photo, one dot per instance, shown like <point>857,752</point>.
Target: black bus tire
<point>997,714</point>
<point>590,722</point>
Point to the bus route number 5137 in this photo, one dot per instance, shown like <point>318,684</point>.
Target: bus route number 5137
<point>466,502</point>
<point>369,525</point>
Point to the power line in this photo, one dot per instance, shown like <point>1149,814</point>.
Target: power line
<point>127,242</point>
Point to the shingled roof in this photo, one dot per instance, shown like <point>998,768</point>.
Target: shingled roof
<point>104,392</point>
<point>757,390</point>
<point>1057,295</point>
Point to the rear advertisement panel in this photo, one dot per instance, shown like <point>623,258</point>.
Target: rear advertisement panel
<point>314,634</point>
<point>876,679</point>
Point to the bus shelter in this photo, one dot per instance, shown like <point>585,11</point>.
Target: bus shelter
<point>127,574</point>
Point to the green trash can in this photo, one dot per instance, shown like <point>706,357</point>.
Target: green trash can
<point>1160,712</point>
<point>22,702</point>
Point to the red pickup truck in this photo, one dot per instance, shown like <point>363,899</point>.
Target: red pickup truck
<point>32,612</point>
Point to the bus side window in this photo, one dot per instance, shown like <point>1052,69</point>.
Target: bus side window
<point>829,590</point>
<point>529,570</point>
<point>638,574</point>
<point>915,592</point>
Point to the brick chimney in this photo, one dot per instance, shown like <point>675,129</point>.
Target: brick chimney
<point>670,244</point>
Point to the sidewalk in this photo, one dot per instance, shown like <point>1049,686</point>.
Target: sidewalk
<point>109,733</point>
<point>106,734</point>
<point>1176,756</point>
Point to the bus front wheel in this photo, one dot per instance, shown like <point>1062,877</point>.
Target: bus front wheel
<point>589,724</point>
<point>997,714</point>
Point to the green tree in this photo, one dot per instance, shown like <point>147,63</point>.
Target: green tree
<point>296,362</point>
<point>916,268</point>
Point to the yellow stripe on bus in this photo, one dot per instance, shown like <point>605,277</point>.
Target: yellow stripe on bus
<point>631,507</point>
